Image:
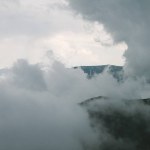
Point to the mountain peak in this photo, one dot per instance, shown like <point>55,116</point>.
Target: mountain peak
<point>91,71</point>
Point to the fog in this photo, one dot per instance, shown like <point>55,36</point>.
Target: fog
<point>39,106</point>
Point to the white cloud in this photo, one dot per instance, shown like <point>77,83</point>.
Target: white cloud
<point>38,109</point>
<point>30,28</point>
<point>81,48</point>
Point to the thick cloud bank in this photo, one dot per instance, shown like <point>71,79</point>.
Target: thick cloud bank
<point>127,21</point>
<point>40,109</point>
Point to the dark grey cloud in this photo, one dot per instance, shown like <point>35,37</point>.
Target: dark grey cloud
<point>39,110</point>
<point>28,76</point>
<point>125,20</point>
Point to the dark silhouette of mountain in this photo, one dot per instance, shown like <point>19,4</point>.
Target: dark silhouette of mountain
<point>91,71</point>
<point>120,124</point>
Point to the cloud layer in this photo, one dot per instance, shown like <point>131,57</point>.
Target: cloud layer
<point>39,108</point>
<point>127,21</point>
<point>30,28</point>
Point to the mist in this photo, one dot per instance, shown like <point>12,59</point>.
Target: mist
<point>123,124</point>
<point>40,106</point>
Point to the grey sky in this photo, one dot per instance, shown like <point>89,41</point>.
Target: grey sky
<point>39,96</point>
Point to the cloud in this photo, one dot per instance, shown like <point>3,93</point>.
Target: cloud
<point>126,21</point>
<point>30,28</point>
<point>93,47</point>
<point>114,120</point>
<point>40,109</point>
<point>28,76</point>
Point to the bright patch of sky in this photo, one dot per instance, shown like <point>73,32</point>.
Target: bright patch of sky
<point>31,28</point>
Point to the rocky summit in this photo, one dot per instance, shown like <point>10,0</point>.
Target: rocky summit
<point>91,71</point>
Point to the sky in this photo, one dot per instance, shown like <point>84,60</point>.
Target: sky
<point>40,95</point>
<point>30,29</point>
<point>127,21</point>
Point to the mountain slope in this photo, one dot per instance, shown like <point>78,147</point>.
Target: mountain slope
<point>91,71</point>
<point>120,124</point>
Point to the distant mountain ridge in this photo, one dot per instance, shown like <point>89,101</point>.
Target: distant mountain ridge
<point>91,71</point>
